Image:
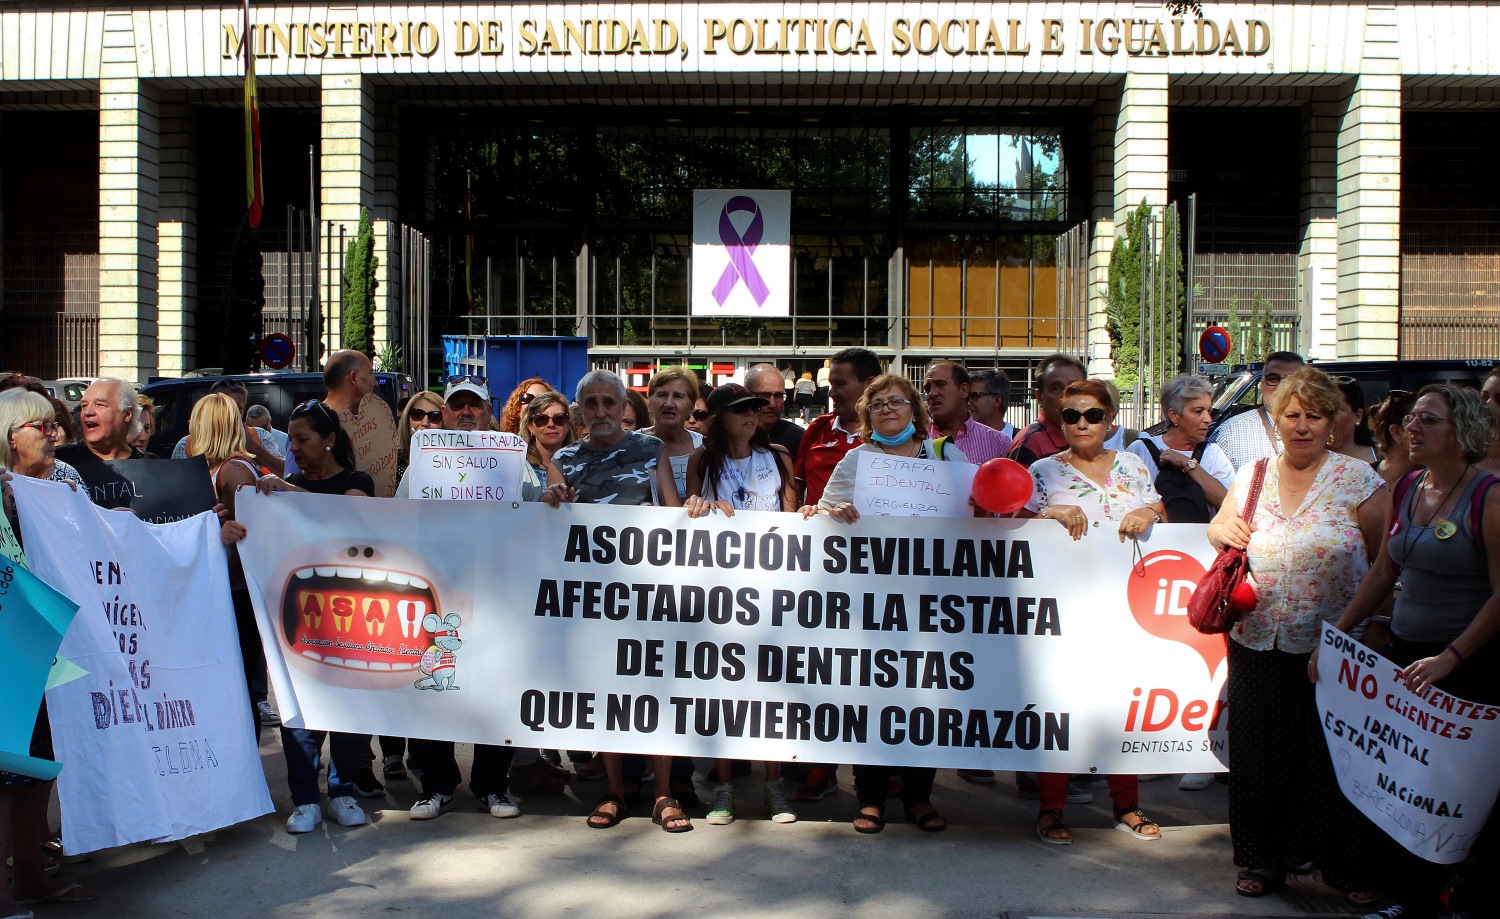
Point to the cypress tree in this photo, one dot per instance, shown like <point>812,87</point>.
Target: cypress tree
<point>359,288</point>
<point>241,305</point>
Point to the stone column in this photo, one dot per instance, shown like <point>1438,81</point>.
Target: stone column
<point>129,191</point>
<point>347,181</point>
<point>1317,251</point>
<point>178,232</point>
<point>1369,218</point>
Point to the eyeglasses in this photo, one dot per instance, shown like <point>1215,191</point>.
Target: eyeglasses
<point>892,405</point>
<point>772,396</point>
<point>700,414</point>
<point>417,414</point>
<point>48,428</point>
<point>560,420</point>
<point>475,378</point>
<point>1094,415</point>
<point>1271,379</point>
<point>983,395</point>
<point>1425,419</point>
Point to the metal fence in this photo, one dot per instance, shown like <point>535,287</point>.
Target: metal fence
<point>52,345</point>
<point>1450,306</point>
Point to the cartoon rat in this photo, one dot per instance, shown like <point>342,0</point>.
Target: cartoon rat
<point>439,664</point>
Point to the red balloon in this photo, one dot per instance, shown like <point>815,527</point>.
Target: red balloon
<point>1002,486</point>
<point>1242,599</point>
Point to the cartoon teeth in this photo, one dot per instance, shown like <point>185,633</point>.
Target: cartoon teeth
<point>377,610</point>
<point>340,616</point>
<point>410,612</point>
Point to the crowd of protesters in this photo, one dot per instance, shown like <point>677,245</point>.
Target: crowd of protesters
<point>1376,518</point>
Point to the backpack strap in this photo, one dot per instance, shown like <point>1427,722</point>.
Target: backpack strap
<point>1198,450</point>
<point>1151,449</point>
<point>1476,509</point>
<point>1402,488</point>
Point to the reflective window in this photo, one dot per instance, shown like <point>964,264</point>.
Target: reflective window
<point>998,173</point>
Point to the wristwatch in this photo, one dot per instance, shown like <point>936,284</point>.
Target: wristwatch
<point>1191,465</point>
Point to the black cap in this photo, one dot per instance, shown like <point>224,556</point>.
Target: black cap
<point>732,394</point>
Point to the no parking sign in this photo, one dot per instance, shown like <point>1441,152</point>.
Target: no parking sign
<point>1214,344</point>
<point>276,351</point>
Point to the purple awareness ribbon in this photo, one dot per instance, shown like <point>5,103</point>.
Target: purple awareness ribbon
<point>740,250</point>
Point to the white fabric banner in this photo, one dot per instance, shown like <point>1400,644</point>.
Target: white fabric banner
<point>1421,767</point>
<point>742,252</point>
<point>156,740</point>
<point>961,642</point>
<point>902,486</point>
<point>466,465</point>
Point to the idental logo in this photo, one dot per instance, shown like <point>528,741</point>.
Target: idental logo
<point>1160,586</point>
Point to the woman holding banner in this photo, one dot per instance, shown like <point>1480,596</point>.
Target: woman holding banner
<point>891,412</point>
<point>738,468</point>
<point>27,449</point>
<point>325,463</point>
<point>673,394</point>
<point>1082,487</point>
<point>1312,534</point>
<point>1443,544</point>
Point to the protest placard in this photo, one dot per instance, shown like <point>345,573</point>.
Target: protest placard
<point>1421,766</point>
<point>466,465</point>
<point>10,546</point>
<point>903,486</point>
<point>156,740</point>
<point>33,619</point>
<point>962,643</point>
<point>158,491</point>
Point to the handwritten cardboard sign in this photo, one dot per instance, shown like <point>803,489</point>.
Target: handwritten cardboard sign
<point>466,465</point>
<point>901,486</point>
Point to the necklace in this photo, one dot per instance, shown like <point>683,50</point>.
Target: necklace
<point>741,494</point>
<point>1297,493</point>
<point>1446,528</point>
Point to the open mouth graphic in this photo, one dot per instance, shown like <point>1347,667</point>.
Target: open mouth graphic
<point>358,618</point>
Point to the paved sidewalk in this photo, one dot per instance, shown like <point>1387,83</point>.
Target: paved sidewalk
<point>547,863</point>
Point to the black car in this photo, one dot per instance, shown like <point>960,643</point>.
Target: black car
<point>281,393</point>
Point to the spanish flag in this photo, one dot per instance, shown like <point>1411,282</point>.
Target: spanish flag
<point>253,197</point>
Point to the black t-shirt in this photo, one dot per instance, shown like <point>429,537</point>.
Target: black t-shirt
<point>787,434</point>
<point>78,454</point>
<point>345,480</point>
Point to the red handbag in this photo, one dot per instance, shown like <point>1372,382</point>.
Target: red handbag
<point>1209,609</point>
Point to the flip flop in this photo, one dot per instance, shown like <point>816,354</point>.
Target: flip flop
<point>69,893</point>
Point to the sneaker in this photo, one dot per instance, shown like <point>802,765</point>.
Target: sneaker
<point>1196,781</point>
<point>393,768</point>
<point>346,811</point>
<point>722,811</point>
<point>499,806</point>
<point>429,806</point>
<point>776,803</point>
<point>266,714</point>
<point>304,819</point>
<point>366,785</point>
<point>1394,911</point>
<point>1027,788</point>
<point>820,783</point>
<point>977,776</point>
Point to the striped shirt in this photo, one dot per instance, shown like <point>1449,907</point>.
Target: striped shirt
<point>1244,438</point>
<point>979,442</point>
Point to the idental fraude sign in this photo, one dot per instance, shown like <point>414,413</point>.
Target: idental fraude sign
<point>910,641</point>
<point>956,31</point>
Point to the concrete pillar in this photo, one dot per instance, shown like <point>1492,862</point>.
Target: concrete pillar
<point>1317,252</point>
<point>1141,143</point>
<point>178,234</point>
<point>347,181</point>
<point>1106,114</point>
<point>129,191</point>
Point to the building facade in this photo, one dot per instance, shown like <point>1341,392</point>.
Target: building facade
<point>958,172</point>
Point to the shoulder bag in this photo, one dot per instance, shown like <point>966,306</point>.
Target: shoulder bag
<point>1209,609</point>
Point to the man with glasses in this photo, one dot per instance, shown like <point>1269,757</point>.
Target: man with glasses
<point>947,390</point>
<point>766,382</point>
<point>989,397</point>
<point>1044,437</point>
<point>1251,435</point>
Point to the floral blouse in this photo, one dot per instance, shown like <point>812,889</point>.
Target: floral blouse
<point>1306,563</point>
<point>1127,487</point>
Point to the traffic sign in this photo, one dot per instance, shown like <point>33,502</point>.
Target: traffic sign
<point>276,351</point>
<point>1214,344</point>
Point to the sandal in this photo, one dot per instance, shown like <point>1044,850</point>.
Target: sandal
<point>1138,829</point>
<point>1052,830</point>
<point>1312,882</point>
<point>876,820</point>
<point>602,819</point>
<point>929,822</point>
<point>672,824</point>
<point>1255,883</point>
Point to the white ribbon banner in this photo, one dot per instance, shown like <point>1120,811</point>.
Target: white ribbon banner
<point>466,465</point>
<point>156,740</point>
<point>1421,767</point>
<point>903,486</point>
<point>961,642</point>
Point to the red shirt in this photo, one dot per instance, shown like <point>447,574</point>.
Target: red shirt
<point>824,443</point>
<point>1038,440</point>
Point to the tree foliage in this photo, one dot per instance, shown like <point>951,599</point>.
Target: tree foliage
<point>359,288</point>
<point>243,299</point>
<point>1123,297</point>
<point>1146,302</point>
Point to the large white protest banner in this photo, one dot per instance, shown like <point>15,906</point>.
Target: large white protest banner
<point>156,741</point>
<point>904,486</point>
<point>1420,766</point>
<point>466,465</point>
<point>960,642</point>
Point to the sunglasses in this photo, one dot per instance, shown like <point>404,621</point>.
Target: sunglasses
<point>526,397</point>
<point>1094,415</point>
<point>700,414</point>
<point>476,378</point>
<point>560,419</point>
<point>417,414</point>
<point>307,407</point>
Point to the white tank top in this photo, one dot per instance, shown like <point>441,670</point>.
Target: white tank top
<point>750,484</point>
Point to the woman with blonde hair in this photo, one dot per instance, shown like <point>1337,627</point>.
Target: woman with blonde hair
<point>673,392</point>
<point>423,411</point>
<point>547,427</point>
